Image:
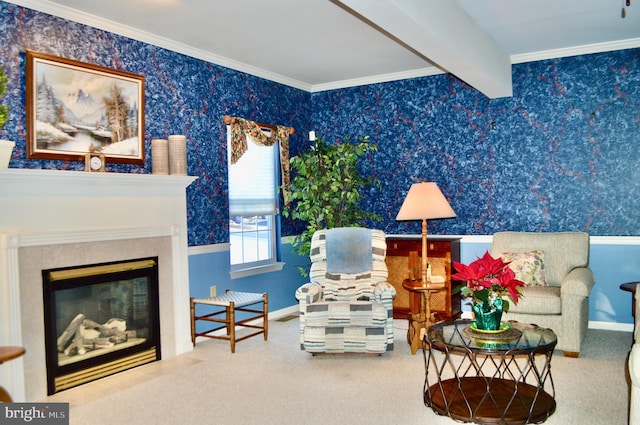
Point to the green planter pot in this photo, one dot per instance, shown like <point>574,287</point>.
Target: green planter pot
<point>488,314</point>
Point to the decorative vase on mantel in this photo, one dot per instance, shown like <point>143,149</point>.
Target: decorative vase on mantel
<point>6,149</point>
<point>488,314</point>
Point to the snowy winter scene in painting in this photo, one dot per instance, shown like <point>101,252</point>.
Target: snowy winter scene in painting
<point>83,110</point>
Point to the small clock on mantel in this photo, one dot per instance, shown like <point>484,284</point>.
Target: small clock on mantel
<point>94,162</point>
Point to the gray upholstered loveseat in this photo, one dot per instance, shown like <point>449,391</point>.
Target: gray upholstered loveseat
<point>563,305</point>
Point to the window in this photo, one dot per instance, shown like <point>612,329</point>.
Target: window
<point>253,209</point>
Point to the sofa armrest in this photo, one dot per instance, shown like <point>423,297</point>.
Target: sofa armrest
<point>309,293</point>
<point>634,372</point>
<point>384,291</point>
<point>636,326</point>
<point>579,282</point>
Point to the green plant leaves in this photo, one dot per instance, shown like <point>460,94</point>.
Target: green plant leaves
<point>325,190</point>
<point>4,109</point>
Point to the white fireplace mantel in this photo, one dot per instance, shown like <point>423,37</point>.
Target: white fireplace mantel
<point>34,201</point>
<point>81,178</point>
<point>61,208</point>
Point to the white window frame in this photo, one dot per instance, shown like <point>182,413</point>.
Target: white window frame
<point>258,263</point>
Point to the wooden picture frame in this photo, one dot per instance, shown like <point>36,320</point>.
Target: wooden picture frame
<point>76,108</point>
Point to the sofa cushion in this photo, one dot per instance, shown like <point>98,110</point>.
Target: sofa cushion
<point>345,314</point>
<point>538,300</point>
<point>528,266</point>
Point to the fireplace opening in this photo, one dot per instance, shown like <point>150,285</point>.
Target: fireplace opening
<point>100,319</point>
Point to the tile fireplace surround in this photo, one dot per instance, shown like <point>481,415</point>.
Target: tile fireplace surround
<point>52,218</point>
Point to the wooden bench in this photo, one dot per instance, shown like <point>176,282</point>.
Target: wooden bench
<point>232,302</point>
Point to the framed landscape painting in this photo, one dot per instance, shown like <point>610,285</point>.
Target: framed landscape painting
<point>75,108</point>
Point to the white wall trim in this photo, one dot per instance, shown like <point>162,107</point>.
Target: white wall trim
<point>475,238</point>
<point>594,240</point>
<point>382,78</point>
<point>611,326</point>
<point>208,249</point>
<point>615,240</point>
<point>470,239</point>
<point>587,49</point>
<point>223,247</point>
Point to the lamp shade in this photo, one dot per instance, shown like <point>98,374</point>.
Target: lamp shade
<point>425,201</point>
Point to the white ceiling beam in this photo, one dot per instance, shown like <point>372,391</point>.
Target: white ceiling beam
<point>442,31</point>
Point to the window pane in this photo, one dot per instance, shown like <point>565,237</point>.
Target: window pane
<point>251,239</point>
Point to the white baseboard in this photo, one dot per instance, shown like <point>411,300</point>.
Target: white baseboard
<point>284,312</point>
<point>611,326</point>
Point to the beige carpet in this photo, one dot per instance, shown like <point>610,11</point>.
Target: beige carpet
<point>274,382</point>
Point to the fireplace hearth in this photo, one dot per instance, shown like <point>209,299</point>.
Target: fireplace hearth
<point>100,319</point>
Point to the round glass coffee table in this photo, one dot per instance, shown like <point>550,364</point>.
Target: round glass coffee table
<point>499,377</point>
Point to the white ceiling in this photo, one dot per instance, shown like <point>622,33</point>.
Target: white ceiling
<point>318,45</point>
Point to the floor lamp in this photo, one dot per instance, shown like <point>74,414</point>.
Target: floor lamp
<point>425,201</point>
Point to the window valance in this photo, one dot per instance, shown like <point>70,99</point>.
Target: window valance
<point>241,127</point>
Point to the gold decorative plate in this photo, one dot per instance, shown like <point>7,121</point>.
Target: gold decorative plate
<point>503,328</point>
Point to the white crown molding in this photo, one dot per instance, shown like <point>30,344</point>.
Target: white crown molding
<point>75,15</point>
<point>587,49</point>
<point>374,79</point>
<point>94,21</point>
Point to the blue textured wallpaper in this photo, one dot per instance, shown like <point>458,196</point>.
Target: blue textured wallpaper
<point>561,154</point>
<point>183,95</point>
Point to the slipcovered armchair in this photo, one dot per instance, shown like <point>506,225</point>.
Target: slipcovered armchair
<point>348,304</point>
<point>555,267</point>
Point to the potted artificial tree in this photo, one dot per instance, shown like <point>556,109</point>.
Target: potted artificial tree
<point>326,189</point>
<point>6,146</point>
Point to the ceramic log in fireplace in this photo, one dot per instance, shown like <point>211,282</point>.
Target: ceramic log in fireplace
<point>100,319</point>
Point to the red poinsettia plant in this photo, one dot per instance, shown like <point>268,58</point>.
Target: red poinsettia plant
<point>487,279</point>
